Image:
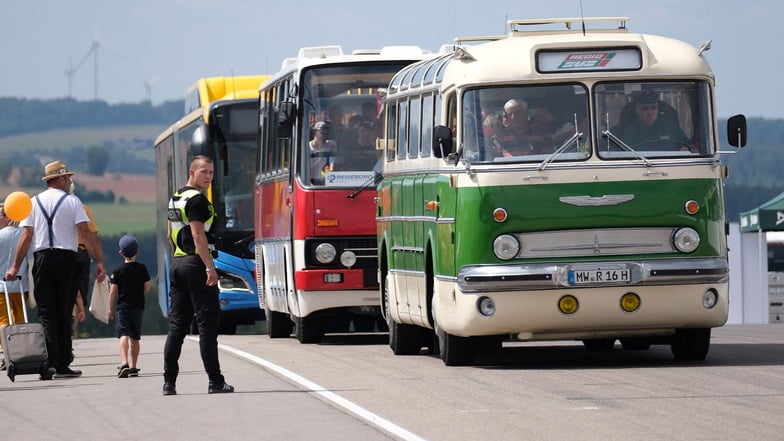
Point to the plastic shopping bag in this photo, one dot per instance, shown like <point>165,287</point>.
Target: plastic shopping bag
<point>99,301</point>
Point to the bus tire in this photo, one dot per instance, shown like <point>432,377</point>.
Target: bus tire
<point>404,339</point>
<point>309,329</point>
<point>636,344</point>
<point>278,324</point>
<point>691,344</point>
<point>453,350</point>
<point>599,344</point>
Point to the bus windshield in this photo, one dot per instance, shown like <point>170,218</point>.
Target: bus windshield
<point>525,123</point>
<point>653,119</point>
<point>235,159</point>
<point>339,139</point>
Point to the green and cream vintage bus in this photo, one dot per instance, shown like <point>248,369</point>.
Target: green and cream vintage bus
<point>560,182</point>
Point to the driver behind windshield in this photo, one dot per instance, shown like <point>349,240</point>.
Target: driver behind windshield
<point>652,129</point>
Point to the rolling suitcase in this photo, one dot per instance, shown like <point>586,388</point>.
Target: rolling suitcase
<point>24,344</point>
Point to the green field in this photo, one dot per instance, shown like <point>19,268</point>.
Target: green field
<point>116,219</point>
<point>65,139</point>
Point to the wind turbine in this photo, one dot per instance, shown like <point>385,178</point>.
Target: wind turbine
<point>148,88</point>
<point>71,70</point>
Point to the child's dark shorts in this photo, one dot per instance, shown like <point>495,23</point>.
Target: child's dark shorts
<point>129,322</point>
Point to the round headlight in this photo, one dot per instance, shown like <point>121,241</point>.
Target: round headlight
<point>348,258</point>
<point>686,240</point>
<point>710,298</point>
<point>486,306</point>
<point>325,253</point>
<point>506,247</point>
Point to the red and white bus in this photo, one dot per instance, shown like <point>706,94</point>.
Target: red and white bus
<point>315,228</point>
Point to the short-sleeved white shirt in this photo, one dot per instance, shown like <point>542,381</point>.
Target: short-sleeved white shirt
<point>68,215</point>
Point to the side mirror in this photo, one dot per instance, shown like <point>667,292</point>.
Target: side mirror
<point>736,130</point>
<point>286,112</point>
<point>442,141</point>
<point>199,141</point>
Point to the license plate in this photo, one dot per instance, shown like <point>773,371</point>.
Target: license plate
<point>599,276</point>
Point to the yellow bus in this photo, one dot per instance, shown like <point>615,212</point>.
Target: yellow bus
<point>220,122</point>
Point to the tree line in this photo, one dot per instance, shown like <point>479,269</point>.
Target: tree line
<point>21,115</point>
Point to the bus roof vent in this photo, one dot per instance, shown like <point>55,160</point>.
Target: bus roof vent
<point>366,52</point>
<point>560,25</point>
<point>288,62</point>
<point>403,51</point>
<point>320,52</point>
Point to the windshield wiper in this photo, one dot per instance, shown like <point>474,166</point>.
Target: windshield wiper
<point>565,146</point>
<point>370,182</point>
<point>611,136</point>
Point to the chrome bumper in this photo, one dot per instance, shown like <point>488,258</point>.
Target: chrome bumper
<point>517,277</point>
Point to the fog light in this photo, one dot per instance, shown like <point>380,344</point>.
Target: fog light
<point>568,304</point>
<point>348,258</point>
<point>630,302</point>
<point>710,298</point>
<point>486,306</point>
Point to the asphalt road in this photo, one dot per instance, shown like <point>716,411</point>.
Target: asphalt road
<point>351,387</point>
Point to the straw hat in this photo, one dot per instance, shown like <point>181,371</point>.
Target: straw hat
<point>55,170</point>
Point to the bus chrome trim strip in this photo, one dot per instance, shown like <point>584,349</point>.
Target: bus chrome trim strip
<point>593,201</point>
<point>432,219</point>
<point>593,242</point>
<point>541,276</point>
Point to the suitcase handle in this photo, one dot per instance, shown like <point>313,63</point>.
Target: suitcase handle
<point>8,301</point>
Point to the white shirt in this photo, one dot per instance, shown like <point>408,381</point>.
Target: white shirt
<point>68,215</point>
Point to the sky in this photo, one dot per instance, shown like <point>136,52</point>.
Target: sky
<point>155,49</point>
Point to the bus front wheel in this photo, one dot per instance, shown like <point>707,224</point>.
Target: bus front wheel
<point>453,350</point>
<point>309,329</point>
<point>691,344</point>
<point>278,324</point>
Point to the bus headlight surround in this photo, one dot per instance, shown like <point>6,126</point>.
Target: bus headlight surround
<point>486,306</point>
<point>325,253</point>
<point>348,258</point>
<point>686,240</point>
<point>506,246</point>
<point>710,298</point>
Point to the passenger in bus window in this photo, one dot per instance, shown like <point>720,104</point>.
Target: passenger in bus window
<point>360,153</point>
<point>337,129</point>
<point>546,121</point>
<point>515,138</point>
<point>321,151</point>
<point>654,125</point>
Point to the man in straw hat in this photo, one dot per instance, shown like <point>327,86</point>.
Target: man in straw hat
<point>51,230</point>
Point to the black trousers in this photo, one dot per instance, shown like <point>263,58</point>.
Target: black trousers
<point>55,292</point>
<point>191,298</point>
<point>83,268</point>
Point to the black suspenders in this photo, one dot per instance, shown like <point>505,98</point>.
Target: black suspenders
<point>49,218</point>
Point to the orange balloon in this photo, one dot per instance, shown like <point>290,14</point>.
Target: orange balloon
<point>18,206</point>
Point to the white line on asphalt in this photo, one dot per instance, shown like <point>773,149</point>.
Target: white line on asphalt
<point>334,398</point>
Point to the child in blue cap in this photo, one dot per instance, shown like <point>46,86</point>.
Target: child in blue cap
<point>129,282</point>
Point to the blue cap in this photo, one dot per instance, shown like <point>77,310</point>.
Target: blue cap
<point>128,246</point>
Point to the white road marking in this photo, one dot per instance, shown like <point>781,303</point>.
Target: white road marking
<point>332,397</point>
